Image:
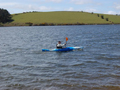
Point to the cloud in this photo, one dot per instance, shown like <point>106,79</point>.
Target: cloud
<point>56,1</point>
<point>117,6</point>
<point>91,10</point>
<point>44,1</point>
<point>81,1</point>
<point>32,7</point>
<point>70,9</point>
<point>7,4</point>
<point>111,12</point>
<point>24,6</point>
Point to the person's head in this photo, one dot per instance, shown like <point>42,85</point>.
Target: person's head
<point>59,42</point>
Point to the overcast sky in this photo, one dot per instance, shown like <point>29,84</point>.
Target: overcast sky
<point>96,6</point>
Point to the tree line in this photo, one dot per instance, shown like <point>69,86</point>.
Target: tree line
<point>5,16</point>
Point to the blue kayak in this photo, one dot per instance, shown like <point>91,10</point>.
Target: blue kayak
<point>64,49</point>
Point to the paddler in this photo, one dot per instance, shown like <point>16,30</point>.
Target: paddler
<point>59,45</point>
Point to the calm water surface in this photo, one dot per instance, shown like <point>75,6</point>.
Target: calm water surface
<point>23,66</point>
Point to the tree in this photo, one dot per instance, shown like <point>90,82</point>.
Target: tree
<point>98,15</point>
<point>5,16</point>
<point>107,19</point>
<point>102,16</point>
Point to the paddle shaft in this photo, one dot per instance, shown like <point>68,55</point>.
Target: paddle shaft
<point>66,40</point>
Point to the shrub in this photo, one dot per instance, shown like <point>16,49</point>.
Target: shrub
<point>102,16</point>
<point>1,24</point>
<point>29,23</point>
<point>107,19</point>
<point>98,15</point>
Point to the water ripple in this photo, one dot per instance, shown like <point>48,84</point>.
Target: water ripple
<point>25,67</point>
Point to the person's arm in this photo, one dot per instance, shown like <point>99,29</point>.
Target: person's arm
<point>64,45</point>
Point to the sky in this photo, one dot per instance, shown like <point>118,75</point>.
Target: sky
<point>96,6</point>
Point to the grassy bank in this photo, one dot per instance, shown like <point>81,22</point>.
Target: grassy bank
<point>61,18</point>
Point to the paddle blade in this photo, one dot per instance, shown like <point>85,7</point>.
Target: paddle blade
<point>66,39</point>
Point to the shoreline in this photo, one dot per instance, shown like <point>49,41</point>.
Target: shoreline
<point>52,24</point>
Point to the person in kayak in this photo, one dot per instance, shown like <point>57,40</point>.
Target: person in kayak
<point>59,45</point>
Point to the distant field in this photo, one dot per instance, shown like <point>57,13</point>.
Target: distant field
<point>62,17</point>
<point>115,19</point>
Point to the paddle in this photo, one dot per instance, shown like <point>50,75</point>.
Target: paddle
<point>66,40</point>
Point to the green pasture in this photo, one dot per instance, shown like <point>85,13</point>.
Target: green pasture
<point>59,17</point>
<point>113,18</point>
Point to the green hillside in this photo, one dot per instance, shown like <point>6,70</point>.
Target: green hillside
<point>61,18</point>
<point>112,18</point>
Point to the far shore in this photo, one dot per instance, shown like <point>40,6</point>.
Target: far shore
<point>52,24</point>
<point>61,18</point>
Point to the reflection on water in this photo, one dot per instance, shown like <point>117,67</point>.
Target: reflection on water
<point>25,67</point>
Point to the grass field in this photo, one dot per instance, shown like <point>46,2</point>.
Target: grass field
<point>113,18</point>
<point>62,17</point>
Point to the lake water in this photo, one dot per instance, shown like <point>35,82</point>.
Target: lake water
<point>23,66</point>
